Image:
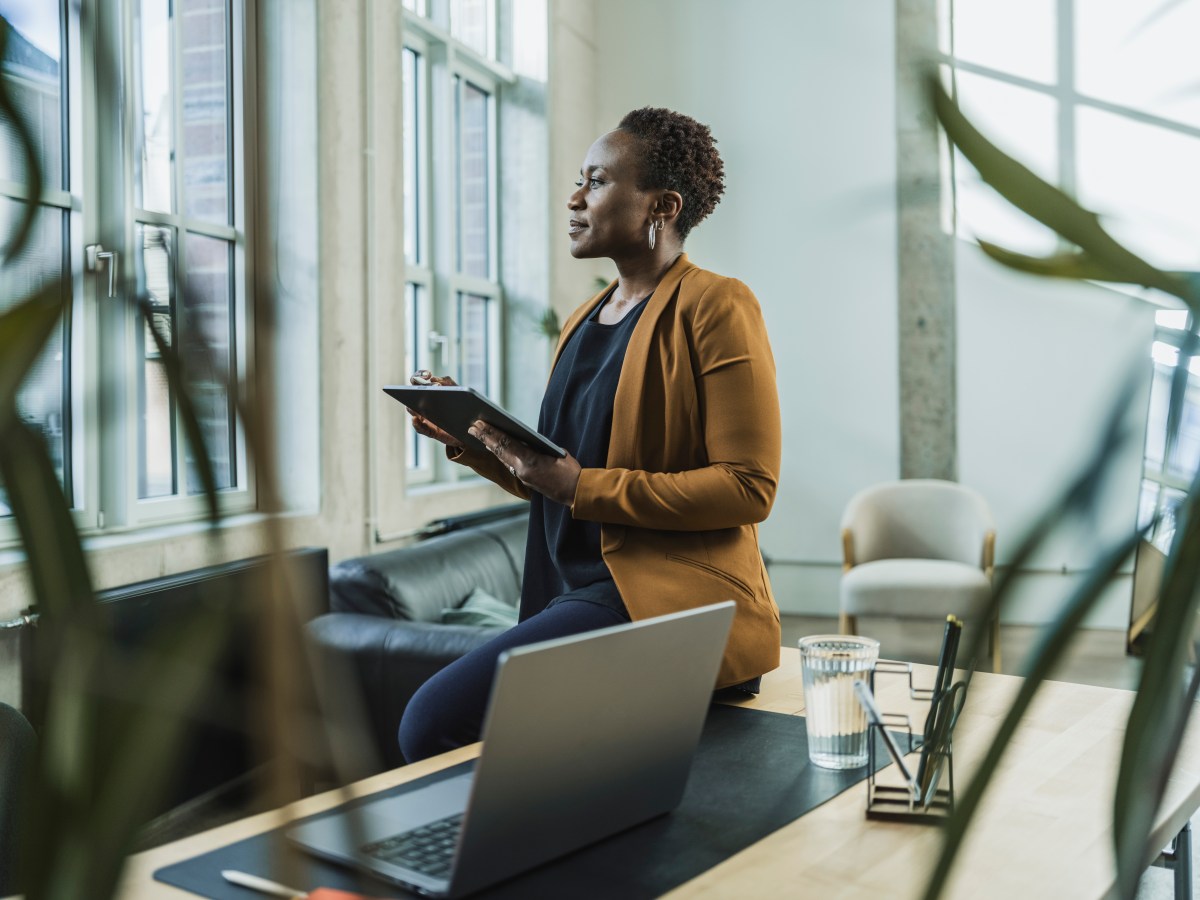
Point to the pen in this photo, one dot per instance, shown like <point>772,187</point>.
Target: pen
<point>867,699</point>
<point>938,744</point>
<point>940,683</point>
<point>263,885</point>
<point>955,638</point>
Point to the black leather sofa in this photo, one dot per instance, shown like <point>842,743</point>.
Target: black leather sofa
<point>384,634</point>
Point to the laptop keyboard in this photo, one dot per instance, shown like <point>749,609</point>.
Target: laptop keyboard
<point>428,849</point>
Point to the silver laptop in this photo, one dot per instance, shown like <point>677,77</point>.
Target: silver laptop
<point>585,736</point>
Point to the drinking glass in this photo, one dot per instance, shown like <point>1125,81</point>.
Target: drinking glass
<point>837,725</point>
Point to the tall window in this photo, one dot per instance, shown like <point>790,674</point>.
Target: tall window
<point>1172,453</point>
<point>35,72</point>
<point>453,295</point>
<point>163,214</point>
<point>1099,97</point>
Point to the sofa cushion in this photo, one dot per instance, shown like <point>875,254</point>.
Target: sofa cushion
<point>481,608</point>
<point>511,535</point>
<point>417,582</point>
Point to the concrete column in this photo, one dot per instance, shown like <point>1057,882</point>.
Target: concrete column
<point>926,293</point>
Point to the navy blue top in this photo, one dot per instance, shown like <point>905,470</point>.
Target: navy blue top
<point>562,556</point>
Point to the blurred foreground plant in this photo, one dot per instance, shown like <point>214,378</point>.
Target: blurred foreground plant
<point>111,722</point>
<point>1168,682</point>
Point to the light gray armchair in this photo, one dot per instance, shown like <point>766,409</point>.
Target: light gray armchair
<point>918,548</point>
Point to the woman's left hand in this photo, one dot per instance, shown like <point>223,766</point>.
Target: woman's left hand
<point>550,476</point>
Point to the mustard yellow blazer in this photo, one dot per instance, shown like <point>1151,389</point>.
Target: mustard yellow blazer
<point>693,461</point>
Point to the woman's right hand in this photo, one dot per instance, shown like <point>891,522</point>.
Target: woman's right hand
<point>420,424</point>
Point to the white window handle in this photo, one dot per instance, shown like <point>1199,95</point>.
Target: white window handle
<point>440,343</point>
<point>97,256</point>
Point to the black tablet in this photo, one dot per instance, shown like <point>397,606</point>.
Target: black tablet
<point>454,408</point>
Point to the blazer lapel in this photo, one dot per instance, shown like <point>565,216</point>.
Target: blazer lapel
<point>622,445</point>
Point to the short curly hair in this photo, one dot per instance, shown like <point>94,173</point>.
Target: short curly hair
<point>678,154</point>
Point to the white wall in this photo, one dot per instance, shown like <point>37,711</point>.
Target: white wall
<point>799,94</point>
<point>572,119</point>
<point>1041,365</point>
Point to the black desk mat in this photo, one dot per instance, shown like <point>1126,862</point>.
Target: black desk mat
<point>751,776</point>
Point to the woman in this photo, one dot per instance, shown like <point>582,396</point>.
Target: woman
<point>663,389</point>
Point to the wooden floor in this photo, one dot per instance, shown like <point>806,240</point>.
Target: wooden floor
<point>1095,657</point>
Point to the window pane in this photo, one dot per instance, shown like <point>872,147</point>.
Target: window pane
<point>34,77</point>
<point>154,140</point>
<point>474,335</point>
<point>469,23</point>
<point>1156,421</point>
<point>1013,36</point>
<point>1140,55</point>
<point>206,110</point>
<point>1147,502</point>
<point>1165,530</point>
<point>42,399</point>
<point>412,160</point>
<point>1021,122</point>
<point>1185,456</point>
<point>473,212</point>
<point>1171,318</point>
<point>156,406</point>
<point>209,353</point>
<point>1143,179</point>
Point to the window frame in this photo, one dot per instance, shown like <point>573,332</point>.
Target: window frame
<point>242,497</point>
<point>445,64</point>
<point>1062,90</point>
<point>79,365</point>
<point>103,450</point>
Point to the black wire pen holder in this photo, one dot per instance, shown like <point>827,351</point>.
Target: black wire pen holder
<point>895,803</point>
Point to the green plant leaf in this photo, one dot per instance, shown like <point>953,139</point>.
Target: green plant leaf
<point>181,389</point>
<point>54,556</point>
<point>1046,654</point>
<point>33,166</point>
<point>1050,206</point>
<point>24,330</point>
<point>62,662</point>
<point>1160,710</point>
<point>548,324</point>
<point>1074,264</point>
<point>1154,16</point>
<point>165,681</point>
<point>1076,499</point>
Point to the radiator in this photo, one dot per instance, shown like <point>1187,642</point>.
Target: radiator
<point>216,746</point>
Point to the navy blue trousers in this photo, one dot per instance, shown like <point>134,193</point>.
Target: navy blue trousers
<point>448,710</point>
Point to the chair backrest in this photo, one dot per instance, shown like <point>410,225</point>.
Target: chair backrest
<point>918,519</point>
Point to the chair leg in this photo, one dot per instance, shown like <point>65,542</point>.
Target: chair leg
<point>847,624</point>
<point>995,627</point>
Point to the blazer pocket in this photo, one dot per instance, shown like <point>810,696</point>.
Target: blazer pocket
<point>714,572</point>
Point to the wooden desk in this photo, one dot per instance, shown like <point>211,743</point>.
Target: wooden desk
<point>1043,830</point>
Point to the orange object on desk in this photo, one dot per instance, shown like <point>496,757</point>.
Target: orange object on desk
<point>335,894</point>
